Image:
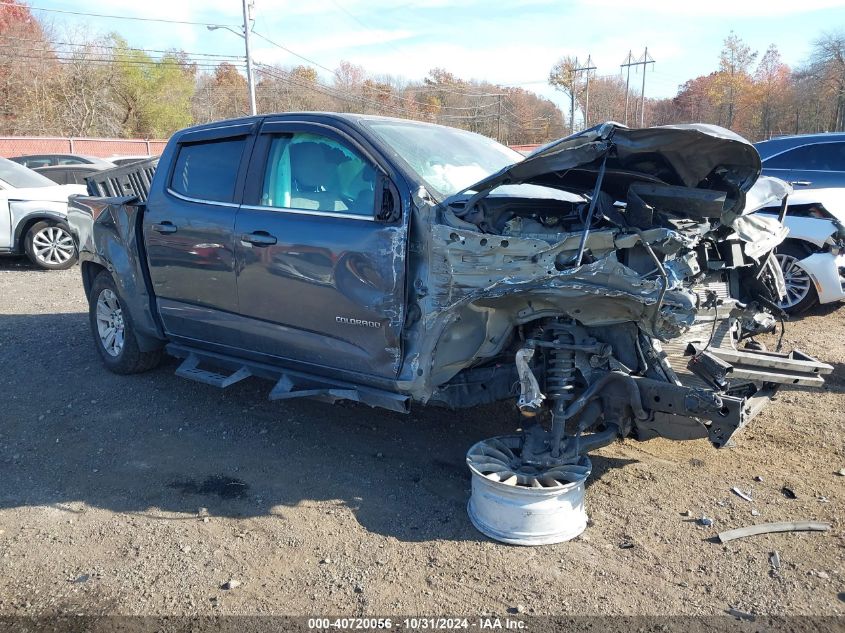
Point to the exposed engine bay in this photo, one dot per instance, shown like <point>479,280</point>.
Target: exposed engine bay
<point>613,283</point>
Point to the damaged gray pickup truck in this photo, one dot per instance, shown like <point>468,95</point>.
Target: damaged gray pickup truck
<point>611,283</point>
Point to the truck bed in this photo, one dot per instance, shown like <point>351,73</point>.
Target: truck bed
<point>129,180</point>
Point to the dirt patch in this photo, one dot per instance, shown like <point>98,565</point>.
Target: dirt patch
<point>321,509</point>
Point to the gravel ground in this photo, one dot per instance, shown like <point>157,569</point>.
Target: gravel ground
<point>146,494</point>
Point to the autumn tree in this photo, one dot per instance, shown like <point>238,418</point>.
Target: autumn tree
<point>772,92</point>
<point>154,96</point>
<point>565,77</point>
<point>224,94</point>
<point>607,99</point>
<point>27,62</point>
<point>827,67</point>
<point>733,79</point>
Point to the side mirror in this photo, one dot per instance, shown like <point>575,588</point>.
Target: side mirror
<point>388,205</point>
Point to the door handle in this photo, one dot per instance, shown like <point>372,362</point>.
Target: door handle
<point>801,183</point>
<point>165,227</point>
<point>259,238</point>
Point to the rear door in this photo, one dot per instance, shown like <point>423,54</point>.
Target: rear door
<point>321,271</point>
<point>815,166</point>
<point>188,235</point>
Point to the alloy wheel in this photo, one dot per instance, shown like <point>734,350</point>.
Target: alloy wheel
<point>796,279</point>
<point>110,325</point>
<point>53,246</point>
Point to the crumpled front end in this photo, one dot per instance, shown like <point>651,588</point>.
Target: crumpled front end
<point>626,307</point>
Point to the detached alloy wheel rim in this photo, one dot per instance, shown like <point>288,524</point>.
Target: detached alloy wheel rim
<point>796,279</point>
<point>53,246</point>
<point>110,326</point>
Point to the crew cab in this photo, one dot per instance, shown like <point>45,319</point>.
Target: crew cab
<point>611,283</point>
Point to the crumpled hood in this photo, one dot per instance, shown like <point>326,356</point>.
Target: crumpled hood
<point>692,155</point>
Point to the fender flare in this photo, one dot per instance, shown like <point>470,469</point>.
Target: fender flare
<point>22,227</point>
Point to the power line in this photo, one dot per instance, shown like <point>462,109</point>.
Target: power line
<point>128,48</point>
<point>73,55</point>
<point>295,54</point>
<point>110,61</point>
<point>112,17</point>
<point>327,90</point>
<point>643,61</point>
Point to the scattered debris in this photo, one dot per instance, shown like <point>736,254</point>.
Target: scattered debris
<point>755,512</point>
<point>841,472</point>
<point>741,615</point>
<point>686,513</point>
<point>326,561</point>
<point>766,528</point>
<point>774,559</point>
<point>626,545</point>
<point>789,493</point>
<point>740,493</point>
<point>517,609</point>
<point>231,584</point>
<point>80,579</point>
<point>359,588</point>
<point>823,499</point>
<point>819,574</point>
<point>705,521</point>
<point>186,549</point>
<point>758,478</point>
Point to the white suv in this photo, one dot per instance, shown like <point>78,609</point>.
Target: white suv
<point>33,217</point>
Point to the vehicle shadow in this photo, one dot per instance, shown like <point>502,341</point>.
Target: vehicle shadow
<point>168,448</point>
<point>19,263</point>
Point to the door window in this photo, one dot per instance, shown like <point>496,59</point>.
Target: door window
<point>34,163</point>
<point>208,170</point>
<point>817,157</point>
<point>316,173</point>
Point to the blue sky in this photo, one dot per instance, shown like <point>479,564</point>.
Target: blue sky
<point>513,43</point>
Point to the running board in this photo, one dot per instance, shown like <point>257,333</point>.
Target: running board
<point>289,383</point>
<point>190,369</point>
<point>720,364</point>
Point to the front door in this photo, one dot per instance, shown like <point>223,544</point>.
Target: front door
<point>320,278</point>
<point>188,235</point>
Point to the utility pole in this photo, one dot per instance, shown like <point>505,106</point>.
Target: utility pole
<point>645,61</point>
<point>250,78</point>
<point>629,61</point>
<point>572,98</point>
<point>499,121</point>
<point>588,67</point>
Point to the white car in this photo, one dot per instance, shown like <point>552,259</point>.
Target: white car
<point>33,217</point>
<point>812,257</point>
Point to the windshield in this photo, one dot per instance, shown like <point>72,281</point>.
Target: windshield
<point>447,160</point>
<point>21,177</point>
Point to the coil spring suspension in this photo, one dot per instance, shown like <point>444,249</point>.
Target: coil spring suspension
<point>560,367</point>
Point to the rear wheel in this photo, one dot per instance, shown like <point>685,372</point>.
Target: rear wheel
<point>114,333</point>
<point>800,293</point>
<point>50,245</point>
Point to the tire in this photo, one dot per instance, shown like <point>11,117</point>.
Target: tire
<point>801,294</point>
<point>113,331</point>
<point>50,245</point>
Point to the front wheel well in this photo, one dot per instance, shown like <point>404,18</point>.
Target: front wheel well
<point>23,228</point>
<point>90,270</point>
<point>793,243</point>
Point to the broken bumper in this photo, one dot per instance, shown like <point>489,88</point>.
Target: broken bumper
<point>701,408</point>
<point>828,274</point>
